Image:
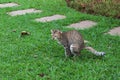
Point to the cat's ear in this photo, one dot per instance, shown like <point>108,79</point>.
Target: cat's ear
<point>52,31</point>
<point>59,31</point>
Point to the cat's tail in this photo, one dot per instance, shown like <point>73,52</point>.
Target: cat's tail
<point>97,53</point>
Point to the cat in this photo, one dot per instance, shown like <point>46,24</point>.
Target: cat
<point>72,42</point>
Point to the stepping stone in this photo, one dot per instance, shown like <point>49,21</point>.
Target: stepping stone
<point>23,12</point>
<point>50,18</point>
<point>115,31</point>
<point>4,5</point>
<point>83,24</point>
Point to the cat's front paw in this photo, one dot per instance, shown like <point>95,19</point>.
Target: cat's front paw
<point>69,55</point>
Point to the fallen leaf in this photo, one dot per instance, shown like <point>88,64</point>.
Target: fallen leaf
<point>41,74</point>
<point>25,33</point>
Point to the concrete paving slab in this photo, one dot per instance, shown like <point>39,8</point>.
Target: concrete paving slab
<point>4,5</point>
<point>83,24</point>
<point>23,12</point>
<point>115,31</point>
<point>50,18</point>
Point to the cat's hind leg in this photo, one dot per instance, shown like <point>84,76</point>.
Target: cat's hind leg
<point>74,48</point>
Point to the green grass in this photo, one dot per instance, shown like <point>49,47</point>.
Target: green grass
<point>38,57</point>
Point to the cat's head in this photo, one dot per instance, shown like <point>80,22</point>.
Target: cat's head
<point>56,34</point>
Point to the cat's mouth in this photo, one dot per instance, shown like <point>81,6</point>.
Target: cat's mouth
<point>55,38</point>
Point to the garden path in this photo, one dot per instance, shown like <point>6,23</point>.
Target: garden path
<point>80,25</point>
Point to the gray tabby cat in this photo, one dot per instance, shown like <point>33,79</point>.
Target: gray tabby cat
<point>73,42</point>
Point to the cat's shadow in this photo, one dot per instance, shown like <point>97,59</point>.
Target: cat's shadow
<point>83,57</point>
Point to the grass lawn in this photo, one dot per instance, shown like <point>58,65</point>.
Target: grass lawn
<point>38,57</point>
